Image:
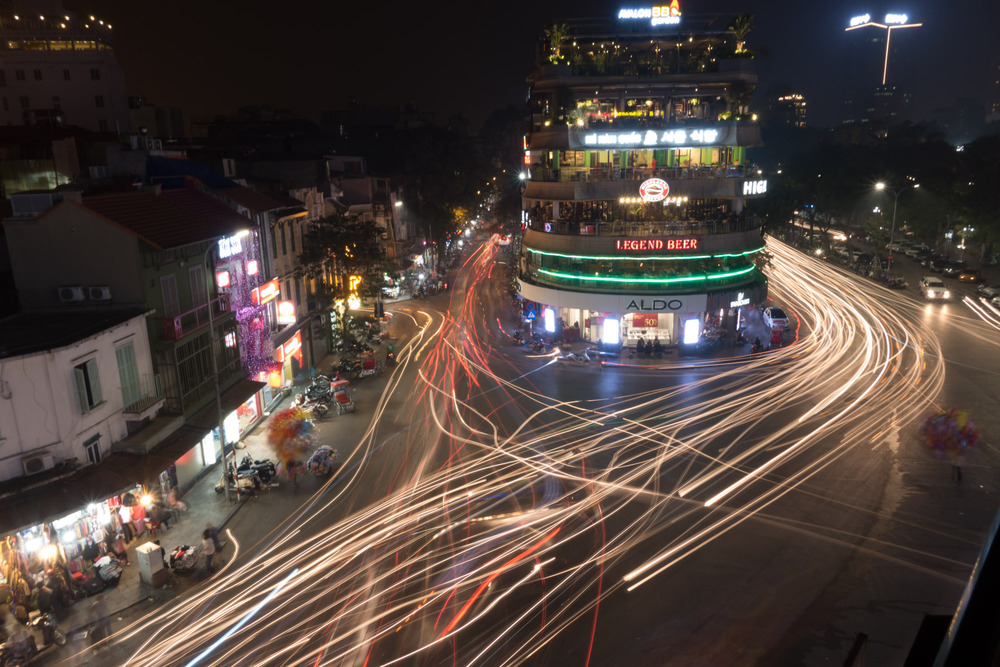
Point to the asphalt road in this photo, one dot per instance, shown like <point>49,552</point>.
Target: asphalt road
<point>496,509</point>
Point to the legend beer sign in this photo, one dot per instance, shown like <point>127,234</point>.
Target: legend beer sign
<point>653,245</point>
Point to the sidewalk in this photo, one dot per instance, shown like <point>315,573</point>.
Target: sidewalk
<point>205,507</point>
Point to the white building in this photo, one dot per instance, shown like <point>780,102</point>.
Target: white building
<point>57,68</point>
<point>72,382</point>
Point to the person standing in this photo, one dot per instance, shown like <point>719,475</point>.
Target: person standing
<point>213,532</point>
<point>207,548</point>
<point>957,463</point>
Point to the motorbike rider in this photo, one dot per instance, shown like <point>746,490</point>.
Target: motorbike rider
<point>757,346</point>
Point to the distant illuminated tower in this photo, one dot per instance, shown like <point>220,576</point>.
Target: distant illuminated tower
<point>789,109</point>
<point>872,96</point>
<point>993,93</point>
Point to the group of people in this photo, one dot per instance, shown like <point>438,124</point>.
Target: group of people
<point>650,349</point>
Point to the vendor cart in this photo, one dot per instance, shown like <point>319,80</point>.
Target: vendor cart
<point>343,402</point>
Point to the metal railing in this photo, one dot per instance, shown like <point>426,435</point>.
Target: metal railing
<point>741,223</point>
<point>150,393</point>
<point>186,323</point>
<point>640,173</point>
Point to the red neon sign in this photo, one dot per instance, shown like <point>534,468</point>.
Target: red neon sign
<point>656,244</point>
<point>292,347</point>
<point>266,292</point>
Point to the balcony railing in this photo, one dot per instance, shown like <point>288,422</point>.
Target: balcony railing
<point>741,223</point>
<point>577,174</point>
<point>150,392</point>
<point>186,323</point>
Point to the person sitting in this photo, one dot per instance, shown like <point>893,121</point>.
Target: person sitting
<point>657,348</point>
<point>640,347</point>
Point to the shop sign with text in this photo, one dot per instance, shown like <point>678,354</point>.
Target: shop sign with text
<point>265,293</point>
<point>653,245</point>
<point>654,189</point>
<point>646,320</point>
<point>293,346</point>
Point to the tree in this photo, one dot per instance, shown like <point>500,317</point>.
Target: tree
<point>740,26</point>
<point>556,35</point>
<point>336,248</point>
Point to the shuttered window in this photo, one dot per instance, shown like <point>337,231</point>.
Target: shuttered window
<point>88,385</point>
<point>128,373</point>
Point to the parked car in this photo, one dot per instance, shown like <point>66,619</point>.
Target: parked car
<point>932,287</point>
<point>775,318</point>
<point>970,276</point>
<point>915,250</point>
<point>933,258</point>
<point>989,291</point>
<point>953,268</point>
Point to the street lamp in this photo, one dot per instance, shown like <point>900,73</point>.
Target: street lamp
<point>895,193</point>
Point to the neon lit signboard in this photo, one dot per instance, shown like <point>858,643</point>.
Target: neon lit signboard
<point>657,15</point>
<point>861,20</point>
<point>740,301</point>
<point>266,292</point>
<point>651,138</point>
<point>754,187</point>
<point>896,18</point>
<point>230,246</point>
<point>292,348</point>
<point>656,244</point>
<point>654,189</point>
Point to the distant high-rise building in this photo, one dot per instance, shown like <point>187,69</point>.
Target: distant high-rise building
<point>57,68</point>
<point>874,93</point>
<point>788,109</point>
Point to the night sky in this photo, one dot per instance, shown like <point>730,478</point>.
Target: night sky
<point>213,56</point>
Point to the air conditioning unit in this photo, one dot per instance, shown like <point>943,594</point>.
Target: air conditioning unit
<point>99,293</point>
<point>70,294</point>
<point>38,463</point>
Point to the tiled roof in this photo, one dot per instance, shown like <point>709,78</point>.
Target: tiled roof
<point>255,202</point>
<point>36,331</point>
<point>206,207</point>
<point>160,221</point>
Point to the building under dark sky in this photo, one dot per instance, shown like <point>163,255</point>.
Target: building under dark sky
<point>212,57</point>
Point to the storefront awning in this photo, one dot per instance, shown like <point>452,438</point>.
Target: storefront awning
<point>66,494</point>
<point>195,429</point>
<point>118,472</point>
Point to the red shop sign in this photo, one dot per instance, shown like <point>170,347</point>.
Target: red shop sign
<point>266,292</point>
<point>651,320</point>
<point>292,347</point>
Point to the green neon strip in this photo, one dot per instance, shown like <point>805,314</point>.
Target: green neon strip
<point>659,281</point>
<point>643,258</point>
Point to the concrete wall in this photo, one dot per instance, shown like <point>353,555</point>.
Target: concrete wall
<point>69,245</point>
<point>40,409</point>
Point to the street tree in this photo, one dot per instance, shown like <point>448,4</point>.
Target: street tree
<point>336,248</point>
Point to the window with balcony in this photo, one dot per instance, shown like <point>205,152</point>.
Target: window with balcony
<point>99,101</point>
<point>95,74</point>
<point>88,385</point>
<point>38,75</point>
<point>19,74</point>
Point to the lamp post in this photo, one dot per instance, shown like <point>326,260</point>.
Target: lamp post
<point>895,194</point>
<point>215,376</point>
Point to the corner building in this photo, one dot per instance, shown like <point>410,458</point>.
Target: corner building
<point>636,176</point>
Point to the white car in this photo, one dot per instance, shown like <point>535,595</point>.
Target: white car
<point>775,318</point>
<point>932,287</point>
<point>989,291</point>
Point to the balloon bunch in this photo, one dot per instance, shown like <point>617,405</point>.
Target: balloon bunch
<point>322,462</point>
<point>949,431</point>
<point>289,435</point>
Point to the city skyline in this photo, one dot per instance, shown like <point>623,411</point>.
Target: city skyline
<point>313,59</point>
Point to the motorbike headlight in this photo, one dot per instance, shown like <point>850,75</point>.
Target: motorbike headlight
<point>947,294</point>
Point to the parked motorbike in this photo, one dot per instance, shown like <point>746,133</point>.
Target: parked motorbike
<point>19,649</point>
<point>247,481</point>
<point>51,634</point>
<point>264,468</point>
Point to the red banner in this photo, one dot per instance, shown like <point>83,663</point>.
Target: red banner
<point>651,320</point>
<point>264,293</point>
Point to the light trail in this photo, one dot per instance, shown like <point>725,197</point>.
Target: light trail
<point>608,493</point>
